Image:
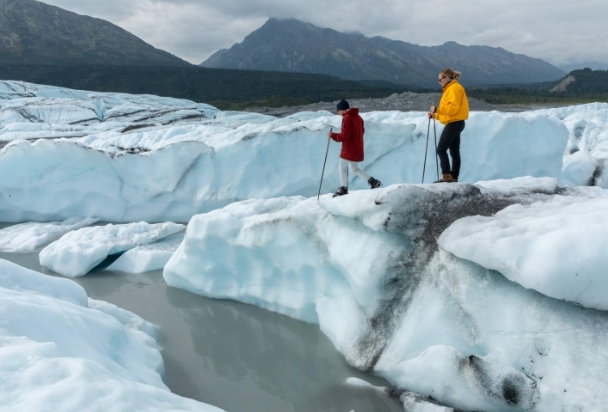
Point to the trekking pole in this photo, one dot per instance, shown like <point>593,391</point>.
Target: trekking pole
<point>436,154</point>
<point>426,150</point>
<point>331,129</point>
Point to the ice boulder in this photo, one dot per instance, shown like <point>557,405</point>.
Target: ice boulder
<point>586,155</point>
<point>582,169</point>
<point>60,351</point>
<point>145,258</point>
<point>368,269</point>
<point>27,237</point>
<point>76,253</point>
<point>557,247</point>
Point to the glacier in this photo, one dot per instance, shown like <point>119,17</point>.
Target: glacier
<point>61,351</point>
<point>484,295</point>
<point>368,270</point>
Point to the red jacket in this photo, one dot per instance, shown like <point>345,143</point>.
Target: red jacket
<point>351,136</point>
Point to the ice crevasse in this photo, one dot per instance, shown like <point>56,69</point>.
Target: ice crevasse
<point>367,268</point>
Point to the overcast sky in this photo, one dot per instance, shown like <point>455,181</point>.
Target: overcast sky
<point>558,31</point>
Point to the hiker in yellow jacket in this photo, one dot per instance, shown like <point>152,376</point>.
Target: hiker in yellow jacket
<point>453,110</point>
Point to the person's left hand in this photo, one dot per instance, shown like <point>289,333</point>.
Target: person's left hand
<point>329,133</point>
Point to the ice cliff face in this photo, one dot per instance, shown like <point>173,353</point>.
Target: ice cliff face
<point>368,269</point>
<point>126,158</point>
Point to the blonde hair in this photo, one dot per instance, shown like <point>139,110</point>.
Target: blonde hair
<point>454,75</point>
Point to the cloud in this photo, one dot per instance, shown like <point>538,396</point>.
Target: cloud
<point>555,30</point>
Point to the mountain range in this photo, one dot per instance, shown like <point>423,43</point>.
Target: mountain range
<point>291,45</point>
<point>284,62</point>
<point>32,32</point>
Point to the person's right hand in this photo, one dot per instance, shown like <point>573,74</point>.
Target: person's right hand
<point>430,115</point>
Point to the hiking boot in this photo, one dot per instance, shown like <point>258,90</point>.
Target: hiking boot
<point>341,192</point>
<point>374,183</point>
<point>447,178</point>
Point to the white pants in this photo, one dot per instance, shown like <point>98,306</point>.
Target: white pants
<point>354,166</point>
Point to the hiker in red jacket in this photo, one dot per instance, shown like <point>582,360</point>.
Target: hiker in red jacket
<point>351,137</point>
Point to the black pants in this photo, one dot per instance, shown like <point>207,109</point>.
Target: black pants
<point>450,139</point>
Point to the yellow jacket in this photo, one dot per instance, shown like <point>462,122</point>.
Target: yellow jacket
<point>454,105</point>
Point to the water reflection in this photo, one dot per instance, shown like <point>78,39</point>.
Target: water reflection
<point>289,360</point>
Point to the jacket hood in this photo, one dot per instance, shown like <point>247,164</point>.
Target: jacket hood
<point>353,111</point>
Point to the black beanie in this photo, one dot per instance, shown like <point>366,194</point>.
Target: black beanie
<point>343,105</point>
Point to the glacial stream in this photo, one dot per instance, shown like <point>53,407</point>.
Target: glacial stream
<point>238,357</point>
